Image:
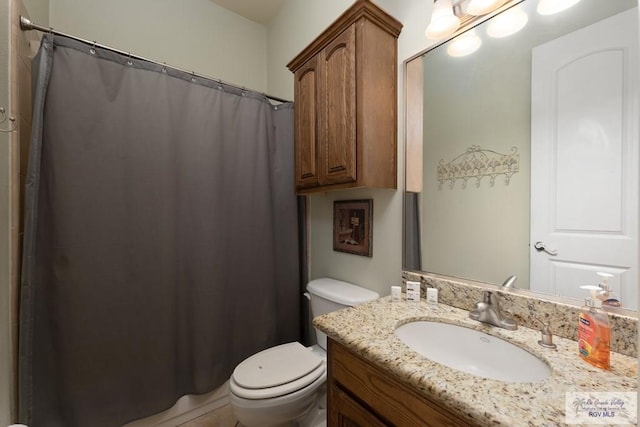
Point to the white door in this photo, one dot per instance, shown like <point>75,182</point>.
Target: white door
<point>584,159</point>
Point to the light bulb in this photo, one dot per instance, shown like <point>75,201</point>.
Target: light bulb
<point>464,44</point>
<point>443,22</point>
<point>507,23</point>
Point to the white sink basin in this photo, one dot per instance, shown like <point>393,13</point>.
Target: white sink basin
<point>472,351</point>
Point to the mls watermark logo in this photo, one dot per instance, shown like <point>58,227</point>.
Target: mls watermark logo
<point>601,408</point>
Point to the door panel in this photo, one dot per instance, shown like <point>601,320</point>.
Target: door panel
<point>588,146</point>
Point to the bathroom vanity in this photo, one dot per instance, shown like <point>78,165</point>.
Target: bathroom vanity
<point>375,379</point>
<point>352,380</point>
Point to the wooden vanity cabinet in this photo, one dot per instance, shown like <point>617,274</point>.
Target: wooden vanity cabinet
<point>361,394</point>
<point>345,98</point>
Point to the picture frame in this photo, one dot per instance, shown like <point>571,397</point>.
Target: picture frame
<point>352,226</point>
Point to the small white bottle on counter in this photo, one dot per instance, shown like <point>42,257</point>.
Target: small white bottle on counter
<point>396,293</point>
<point>432,295</point>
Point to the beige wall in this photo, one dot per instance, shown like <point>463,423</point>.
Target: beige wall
<point>15,93</point>
<point>38,11</point>
<point>464,231</point>
<point>194,35</point>
<point>5,225</point>
<point>297,24</point>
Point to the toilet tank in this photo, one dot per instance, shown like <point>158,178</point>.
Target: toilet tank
<point>329,295</point>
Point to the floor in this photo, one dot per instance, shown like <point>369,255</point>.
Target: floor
<point>222,417</point>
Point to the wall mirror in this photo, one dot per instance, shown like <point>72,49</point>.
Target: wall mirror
<point>522,156</point>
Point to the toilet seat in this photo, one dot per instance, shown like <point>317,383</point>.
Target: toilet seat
<point>276,371</point>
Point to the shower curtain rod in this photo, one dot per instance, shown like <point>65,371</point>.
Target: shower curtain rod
<point>26,25</point>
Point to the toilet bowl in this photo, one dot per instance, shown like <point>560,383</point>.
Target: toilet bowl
<point>285,385</point>
<point>278,385</point>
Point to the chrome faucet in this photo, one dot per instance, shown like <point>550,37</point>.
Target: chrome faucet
<point>488,311</point>
<point>509,283</point>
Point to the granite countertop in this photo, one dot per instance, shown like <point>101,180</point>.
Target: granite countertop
<point>368,330</point>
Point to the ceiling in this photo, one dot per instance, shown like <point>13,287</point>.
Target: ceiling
<point>260,11</point>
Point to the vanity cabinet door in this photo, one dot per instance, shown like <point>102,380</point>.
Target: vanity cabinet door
<point>346,412</point>
<point>379,393</point>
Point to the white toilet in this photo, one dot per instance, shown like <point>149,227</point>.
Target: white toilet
<point>284,385</point>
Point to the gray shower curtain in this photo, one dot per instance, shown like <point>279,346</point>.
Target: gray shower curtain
<point>161,242</point>
<point>412,248</point>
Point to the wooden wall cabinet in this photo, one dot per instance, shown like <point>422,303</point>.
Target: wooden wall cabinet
<point>345,97</point>
<point>359,394</point>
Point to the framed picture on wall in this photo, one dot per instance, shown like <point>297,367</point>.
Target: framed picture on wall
<point>352,226</point>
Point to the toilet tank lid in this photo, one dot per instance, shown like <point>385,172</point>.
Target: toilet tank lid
<point>341,292</point>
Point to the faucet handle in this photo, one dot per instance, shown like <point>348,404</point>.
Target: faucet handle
<point>490,297</point>
<point>547,336</point>
<point>493,299</point>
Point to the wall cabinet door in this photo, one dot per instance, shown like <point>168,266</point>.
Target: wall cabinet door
<point>306,92</point>
<point>337,151</point>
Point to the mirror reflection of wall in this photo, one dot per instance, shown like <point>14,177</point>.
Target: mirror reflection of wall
<point>484,100</point>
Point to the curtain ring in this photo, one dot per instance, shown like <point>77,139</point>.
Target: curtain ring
<point>129,61</point>
<point>193,77</point>
<point>12,120</point>
<point>164,67</point>
<point>92,51</point>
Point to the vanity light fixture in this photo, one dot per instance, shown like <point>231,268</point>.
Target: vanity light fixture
<point>507,23</point>
<point>464,44</point>
<point>443,21</point>
<point>448,15</point>
<point>549,7</point>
